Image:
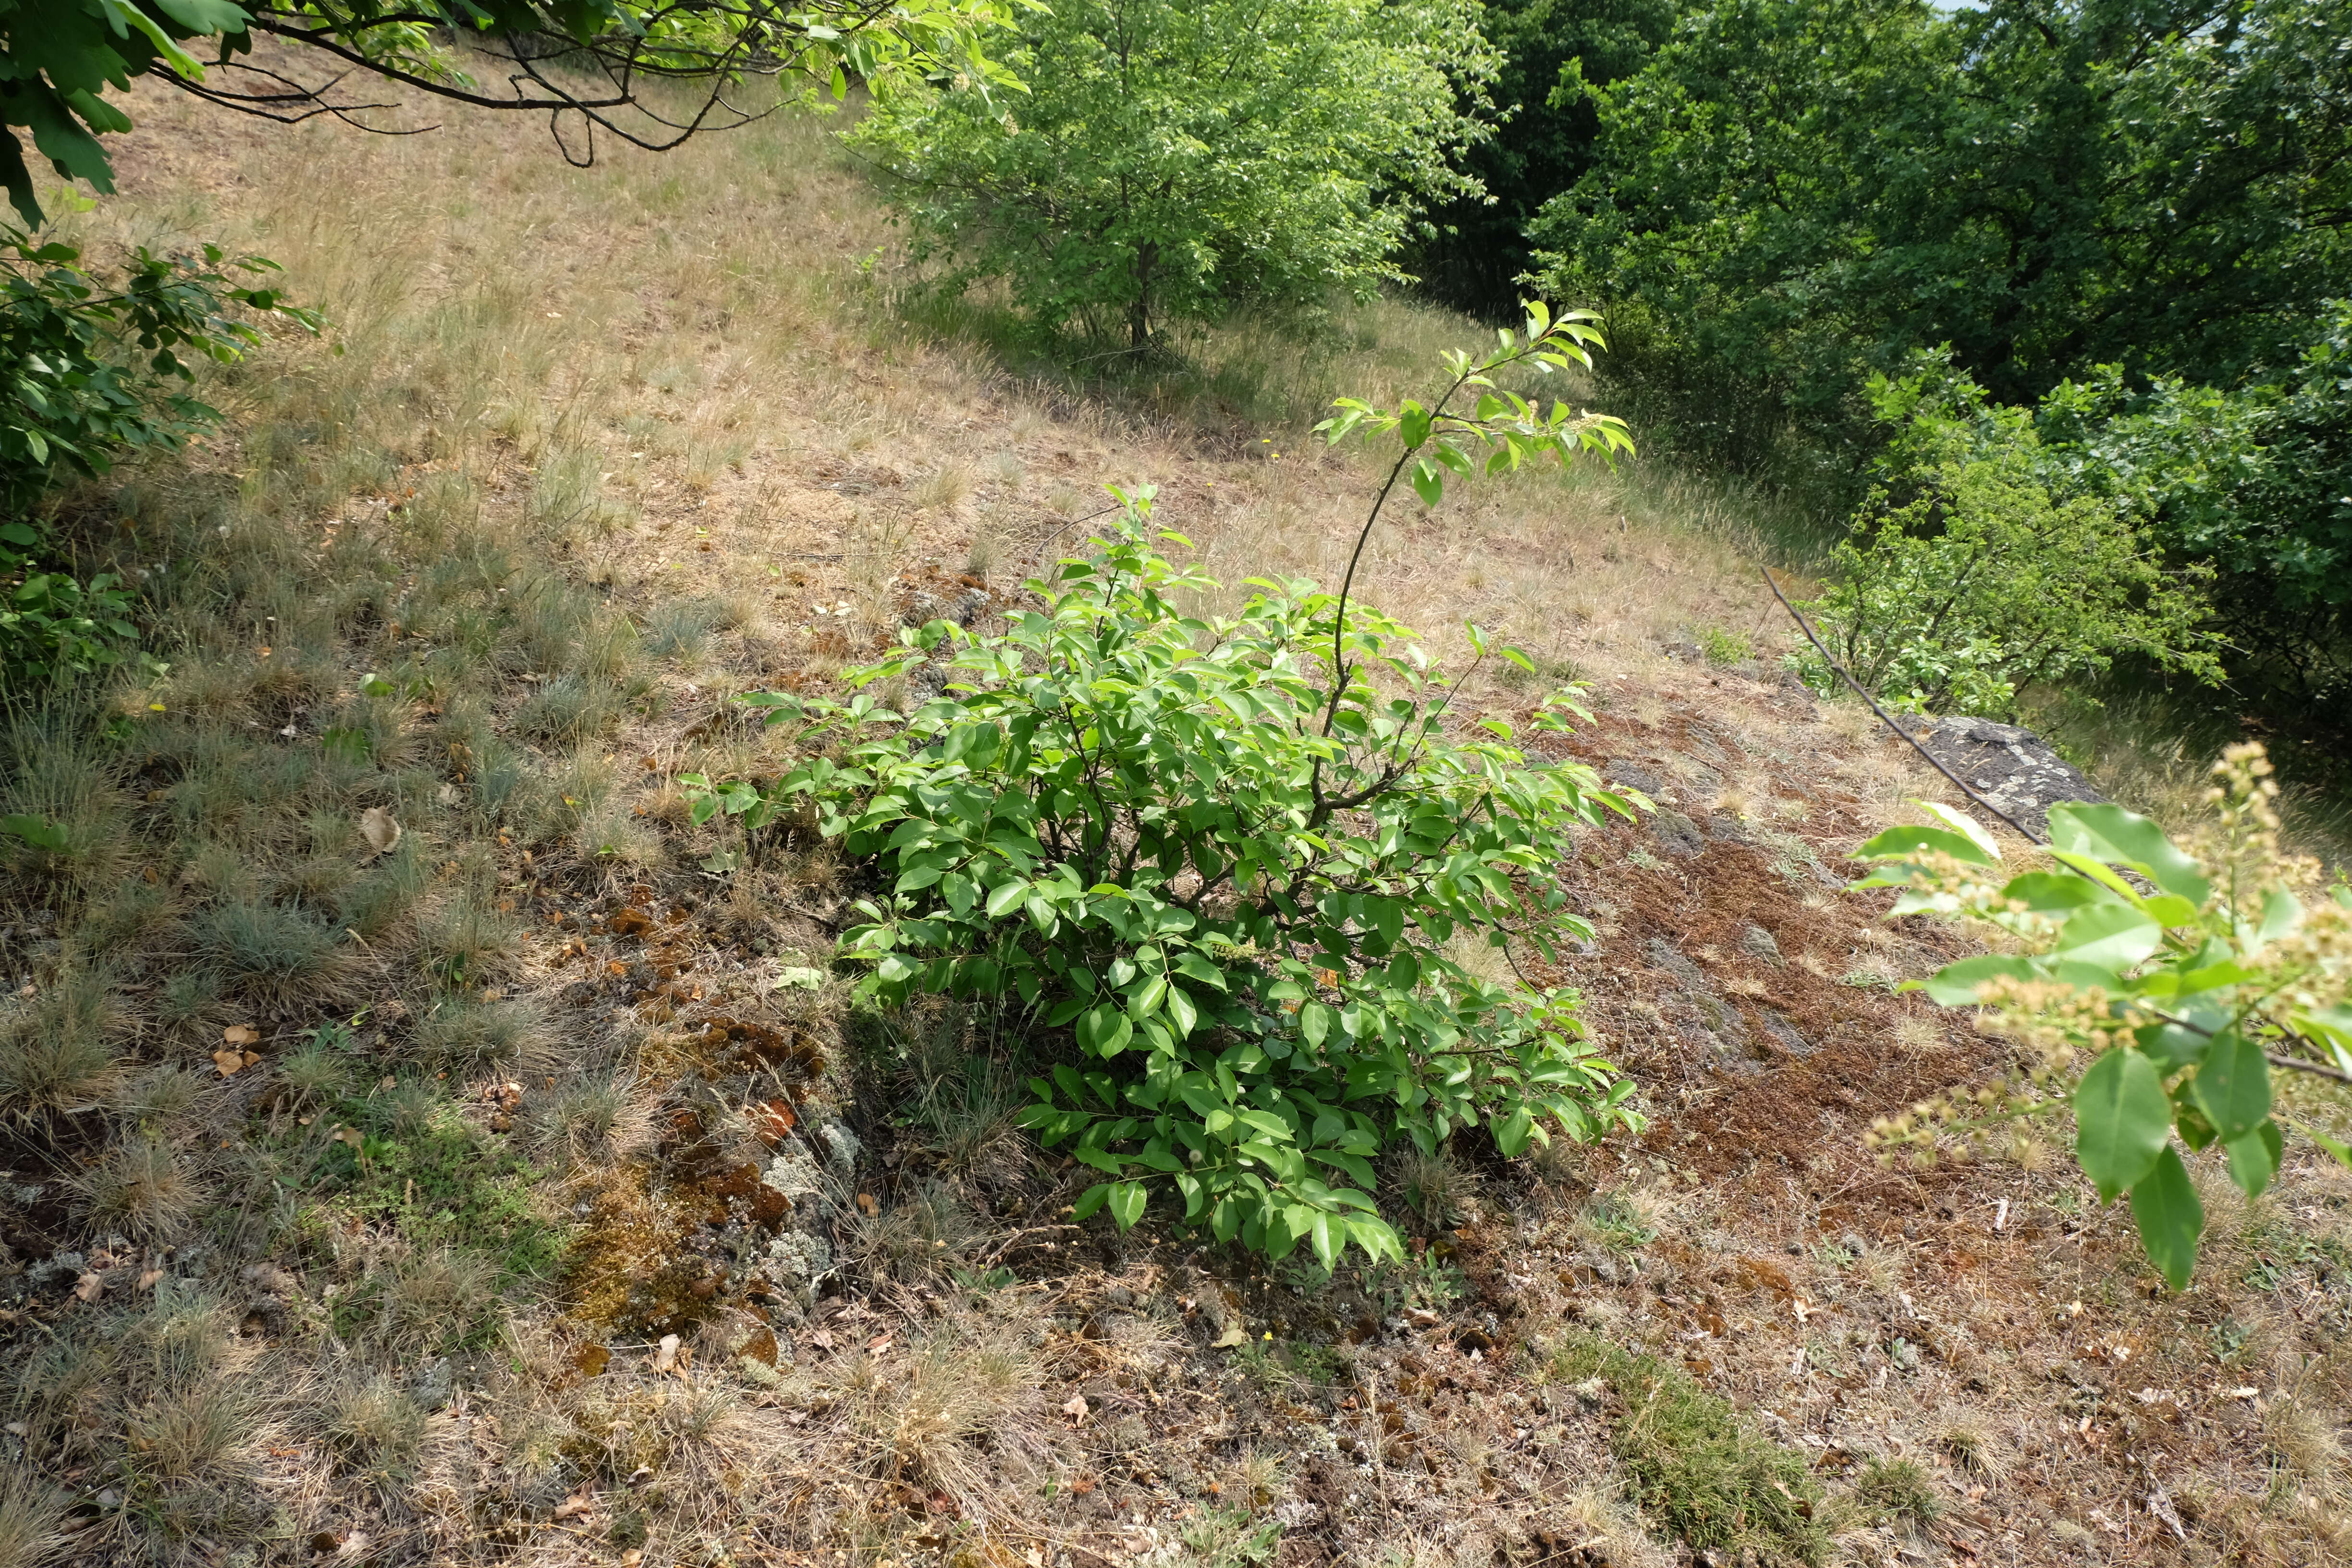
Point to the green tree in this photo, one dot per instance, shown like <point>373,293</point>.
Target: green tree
<point>1476,247</point>
<point>1794,194</point>
<point>1170,159</point>
<point>1982,565</point>
<point>593,66</point>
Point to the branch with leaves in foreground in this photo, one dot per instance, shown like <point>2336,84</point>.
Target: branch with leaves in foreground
<point>591,65</point>
<point>2154,988</point>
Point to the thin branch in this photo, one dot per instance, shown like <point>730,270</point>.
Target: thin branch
<point>1909,739</point>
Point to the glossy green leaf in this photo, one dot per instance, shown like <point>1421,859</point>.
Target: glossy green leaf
<point>2170,1218</point>
<point>2254,1159</point>
<point>2232,1086</point>
<point>2116,837</point>
<point>2123,1120</point>
<point>2108,934</point>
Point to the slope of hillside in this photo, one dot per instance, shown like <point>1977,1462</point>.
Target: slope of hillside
<point>425,1146</point>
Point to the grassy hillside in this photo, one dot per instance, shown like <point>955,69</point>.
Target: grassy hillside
<point>425,1145</point>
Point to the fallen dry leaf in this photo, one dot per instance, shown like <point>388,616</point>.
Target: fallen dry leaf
<point>229,1062</point>
<point>665,1354</point>
<point>90,1287</point>
<point>241,1035</point>
<point>380,828</point>
<point>1232,1336</point>
<point>866,1204</point>
<point>147,1280</point>
<point>1077,1408</point>
<point>573,1507</point>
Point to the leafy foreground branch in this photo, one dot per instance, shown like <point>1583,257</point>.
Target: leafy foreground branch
<point>2155,1014</point>
<point>1248,879</point>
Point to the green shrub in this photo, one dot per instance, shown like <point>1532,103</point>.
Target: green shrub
<point>1986,575</point>
<point>1238,889</point>
<point>89,372</point>
<point>1130,823</point>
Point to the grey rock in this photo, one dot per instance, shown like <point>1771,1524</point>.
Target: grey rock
<point>1758,943</point>
<point>2013,768</point>
<point>1725,828</point>
<point>1676,834</point>
<point>1786,1035</point>
<point>841,1148</point>
<point>1665,955</point>
<point>1634,775</point>
<point>1709,746</point>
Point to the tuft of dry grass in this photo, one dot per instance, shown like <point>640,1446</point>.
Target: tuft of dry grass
<point>32,1516</point>
<point>56,1048</point>
<point>144,1189</point>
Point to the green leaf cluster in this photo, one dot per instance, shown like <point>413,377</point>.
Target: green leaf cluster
<point>1229,903</point>
<point>2173,984</point>
<point>91,372</point>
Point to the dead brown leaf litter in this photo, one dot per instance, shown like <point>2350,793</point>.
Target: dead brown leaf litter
<point>559,1209</point>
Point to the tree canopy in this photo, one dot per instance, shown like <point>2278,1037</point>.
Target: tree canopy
<point>1170,159</point>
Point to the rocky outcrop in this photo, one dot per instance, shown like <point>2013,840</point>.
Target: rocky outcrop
<point>2013,768</point>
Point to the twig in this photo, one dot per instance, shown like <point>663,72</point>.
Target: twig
<point>1884,718</point>
<point>2297,1064</point>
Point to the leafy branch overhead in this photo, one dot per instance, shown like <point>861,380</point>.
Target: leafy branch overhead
<point>2156,988</point>
<point>590,64</point>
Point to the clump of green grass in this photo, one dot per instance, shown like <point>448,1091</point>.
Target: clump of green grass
<point>57,1055</point>
<point>1435,1187</point>
<point>1897,1490</point>
<point>423,1172</point>
<point>1693,1465</point>
<point>376,1430</point>
<point>274,954</point>
<point>142,1188</point>
<point>460,1034</point>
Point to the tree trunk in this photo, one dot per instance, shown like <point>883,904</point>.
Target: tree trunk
<point>1139,314</point>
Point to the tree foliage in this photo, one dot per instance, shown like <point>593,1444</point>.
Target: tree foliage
<point>1794,194</point>
<point>1170,160</point>
<point>2155,989</point>
<point>590,64</point>
<point>1474,249</point>
<point>1977,569</point>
